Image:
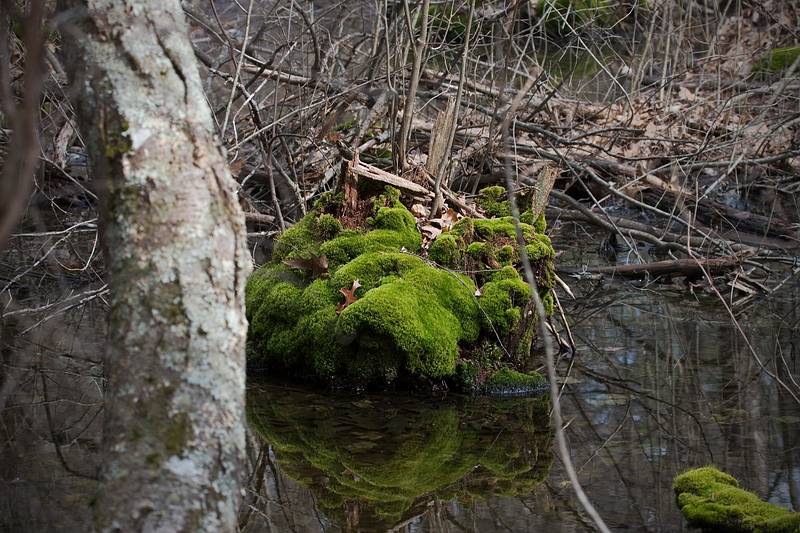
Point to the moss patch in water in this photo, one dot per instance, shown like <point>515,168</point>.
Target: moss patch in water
<point>713,500</point>
<point>509,382</point>
<point>407,317</point>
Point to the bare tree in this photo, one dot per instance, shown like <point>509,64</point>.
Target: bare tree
<point>177,262</point>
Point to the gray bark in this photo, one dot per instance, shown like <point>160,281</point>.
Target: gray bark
<point>176,255</point>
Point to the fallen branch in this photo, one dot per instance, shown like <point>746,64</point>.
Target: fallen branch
<point>690,268</point>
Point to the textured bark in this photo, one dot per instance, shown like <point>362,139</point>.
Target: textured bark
<point>177,259</point>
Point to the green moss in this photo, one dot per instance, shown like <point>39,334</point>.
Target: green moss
<point>484,245</point>
<point>297,241</point>
<point>777,60</point>
<point>178,434</point>
<point>507,255</point>
<point>477,249</point>
<point>713,500</point>
<point>391,228</point>
<point>408,317</point>
<point>326,227</point>
<point>540,247</point>
<point>446,251</point>
<point>540,224</point>
<point>328,202</point>
<point>549,303</point>
<point>488,228</point>
<point>426,313</point>
<point>507,272</point>
<point>564,16</point>
<point>502,302</point>
<point>509,382</point>
<point>494,202</point>
<point>464,228</point>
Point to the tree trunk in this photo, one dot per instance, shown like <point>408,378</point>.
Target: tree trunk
<point>176,255</point>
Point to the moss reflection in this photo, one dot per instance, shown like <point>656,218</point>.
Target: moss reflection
<point>375,461</point>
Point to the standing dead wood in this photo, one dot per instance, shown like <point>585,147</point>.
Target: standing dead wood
<point>418,51</point>
<point>21,160</point>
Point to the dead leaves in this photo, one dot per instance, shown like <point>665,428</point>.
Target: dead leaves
<point>317,265</point>
<point>349,296</point>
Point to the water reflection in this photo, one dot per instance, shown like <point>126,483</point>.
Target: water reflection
<point>661,382</point>
<point>373,463</point>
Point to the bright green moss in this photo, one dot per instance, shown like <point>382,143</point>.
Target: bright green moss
<point>408,317</point>
<point>394,230</point>
<point>494,202</point>
<point>540,247</point>
<point>426,313</point>
<point>464,228</point>
<point>526,217</point>
<point>507,255</point>
<point>777,60</point>
<point>297,241</point>
<point>507,272</point>
<point>488,228</point>
<point>326,227</point>
<point>509,382</point>
<point>713,500</point>
<point>477,249</point>
<point>483,245</point>
<point>540,224</point>
<point>446,251</point>
<point>502,302</point>
<point>423,313</point>
<point>549,303</point>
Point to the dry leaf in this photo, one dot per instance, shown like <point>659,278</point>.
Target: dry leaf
<point>430,232</point>
<point>449,218</point>
<point>419,211</point>
<point>349,296</point>
<point>237,165</point>
<point>62,143</point>
<point>317,265</point>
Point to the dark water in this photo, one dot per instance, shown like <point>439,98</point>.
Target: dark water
<point>661,381</point>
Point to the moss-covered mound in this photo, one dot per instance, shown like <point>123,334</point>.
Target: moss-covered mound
<point>567,16</point>
<point>362,307</point>
<point>777,60</point>
<point>713,500</point>
<point>375,460</point>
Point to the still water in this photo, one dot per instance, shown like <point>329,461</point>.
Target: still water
<point>660,382</point>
